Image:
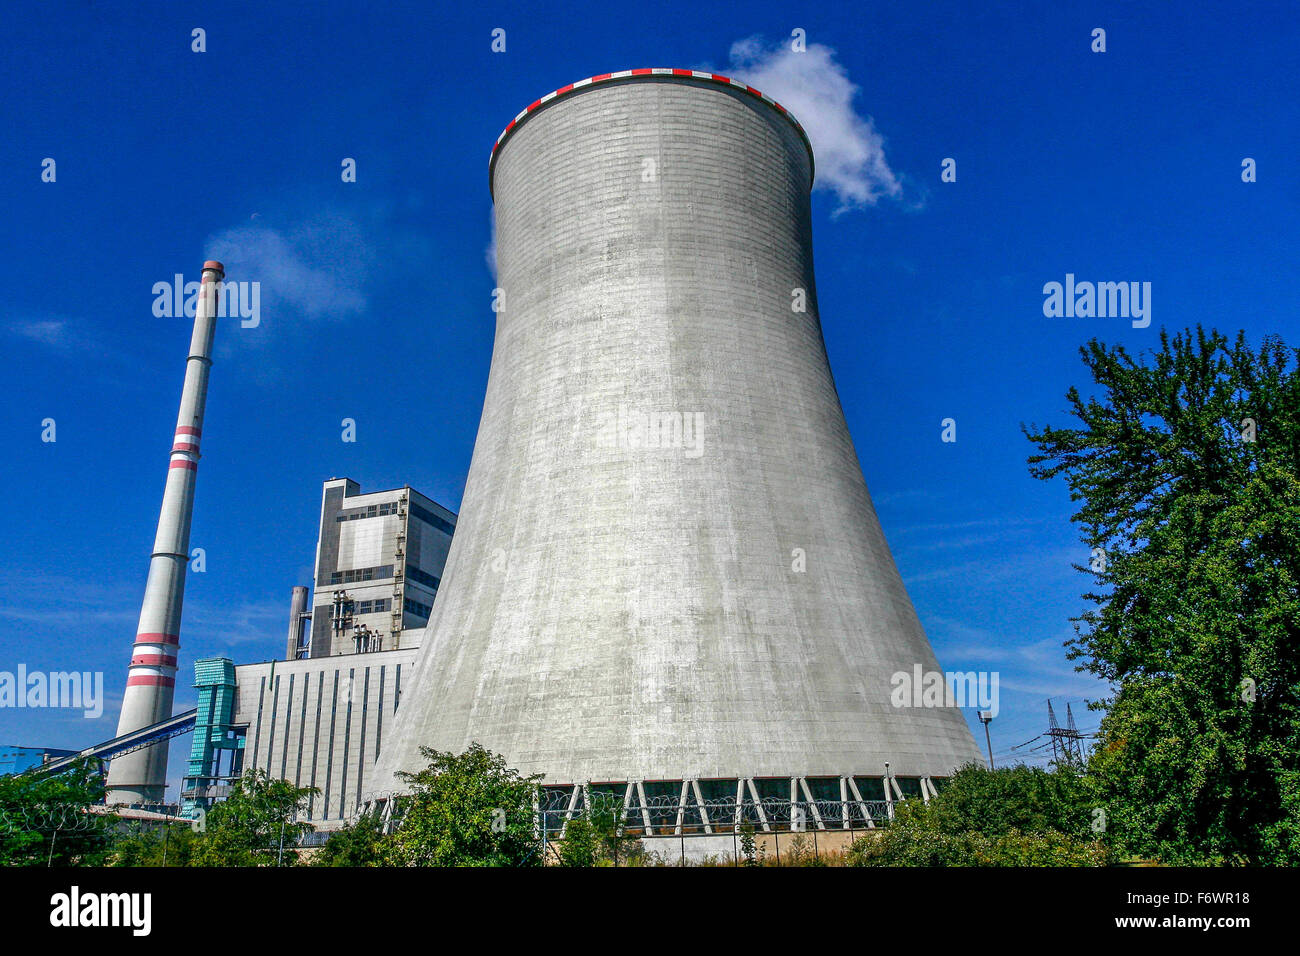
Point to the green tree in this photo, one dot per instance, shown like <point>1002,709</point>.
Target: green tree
<point>467,809</point>
<point>250,826</point>
<point>46,818</point>
<point>360,843</point>
<point>169,845</point>
<point>1187,470</point>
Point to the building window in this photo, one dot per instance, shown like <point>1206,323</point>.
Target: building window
<point>370,511</point>
<point>446,527</point>
<point>361,574</point>
<point>423,577</point>
<point>416,608</point>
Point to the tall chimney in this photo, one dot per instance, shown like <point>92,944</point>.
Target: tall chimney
<point>297,608</point>
<point>140,777</point>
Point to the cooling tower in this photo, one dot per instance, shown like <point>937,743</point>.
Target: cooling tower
<point>667,566</point>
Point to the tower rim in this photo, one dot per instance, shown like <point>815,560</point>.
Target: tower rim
<point>653,74</point>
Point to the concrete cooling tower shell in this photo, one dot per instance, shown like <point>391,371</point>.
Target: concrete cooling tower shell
<point>667,566</point>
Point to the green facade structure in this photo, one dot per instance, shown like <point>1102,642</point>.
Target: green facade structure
<point>215,736</point>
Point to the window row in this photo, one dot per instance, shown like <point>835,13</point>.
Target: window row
<point>371,511</point>
<point>423,577</point>
<point>361,574</point>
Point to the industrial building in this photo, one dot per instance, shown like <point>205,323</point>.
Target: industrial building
<point>667,583</point>
<point>668,580</point>
<point>318,717</point>
<point>379,559</point>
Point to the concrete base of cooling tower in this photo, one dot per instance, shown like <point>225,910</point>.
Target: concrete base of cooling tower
<point>779,848</point>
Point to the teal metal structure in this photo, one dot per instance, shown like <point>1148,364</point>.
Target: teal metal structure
<point>215,737</point>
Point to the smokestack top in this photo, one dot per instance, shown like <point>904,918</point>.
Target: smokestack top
<point>654,73</point>
<point>215,266</point>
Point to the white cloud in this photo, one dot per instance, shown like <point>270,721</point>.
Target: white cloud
<point>231,624</point>
<point>60,334</point>
<point>71,339</point>
<point>850,154</point>
<point>316,270</point>
<point>49,332</point>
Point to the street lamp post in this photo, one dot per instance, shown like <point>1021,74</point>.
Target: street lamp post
<point>986,717</point>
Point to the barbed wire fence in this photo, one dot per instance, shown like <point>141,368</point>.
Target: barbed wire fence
<point>805,825</point>
<point>43,818</point>
<point>55,821</point>
<point>50,820</point>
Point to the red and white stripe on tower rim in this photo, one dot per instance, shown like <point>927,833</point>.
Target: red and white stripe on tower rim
<point>648,72</point>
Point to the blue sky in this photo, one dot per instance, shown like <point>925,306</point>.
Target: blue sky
<point>1123,165</point>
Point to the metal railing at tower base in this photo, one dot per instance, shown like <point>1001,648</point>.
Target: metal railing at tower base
<point>716,829</point>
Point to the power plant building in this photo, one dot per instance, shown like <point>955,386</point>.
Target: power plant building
<point>667,581</point>
<point>319,717</point>
<point>379,559</point>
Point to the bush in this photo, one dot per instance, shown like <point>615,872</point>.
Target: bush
<point>360,843</point>
<point>1016,816</point>
<point>600,838</point>
<point>1029,799</point>
<point>168,845</point>
<point>580,844</point>
<point>907,844</point>
<point>466,809</point>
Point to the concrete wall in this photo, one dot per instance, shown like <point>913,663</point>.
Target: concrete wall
<point>319,721</point>
<point>612,611</point>
<point>772,848</point>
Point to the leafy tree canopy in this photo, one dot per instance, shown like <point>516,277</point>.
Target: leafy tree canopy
<point>249,827</point>
<point>467,809</point>
<point>169,845</point>
<point>45,818</point>
<point>362,842</point>
<point>1186,468</point>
